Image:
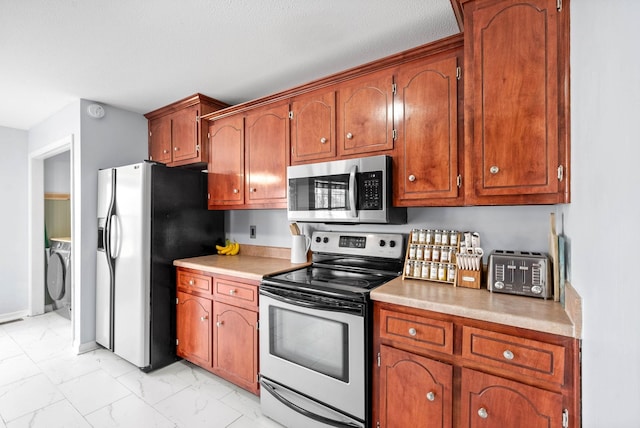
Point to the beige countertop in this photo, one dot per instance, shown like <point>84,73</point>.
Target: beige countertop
<point>525,312</point>
<point>240,266</point>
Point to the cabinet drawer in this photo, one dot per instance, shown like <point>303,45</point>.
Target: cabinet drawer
<point>194,281</point>
<point>525,356</point>
<point>236,293</point>
<point>418,331</point>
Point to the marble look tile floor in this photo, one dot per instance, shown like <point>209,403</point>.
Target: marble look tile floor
<point>43,384</point>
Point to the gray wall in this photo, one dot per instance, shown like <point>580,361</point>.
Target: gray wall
<point>57,173</point>
<point>13,222</point>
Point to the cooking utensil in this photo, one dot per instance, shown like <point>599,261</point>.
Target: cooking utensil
<point>295,230</point>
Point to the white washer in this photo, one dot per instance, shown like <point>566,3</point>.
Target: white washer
<point>59,276</point>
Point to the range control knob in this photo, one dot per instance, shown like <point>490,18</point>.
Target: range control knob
<point>392,243</point>
<point>499,285</point>
<point>325,240</point>
<point>383,243</point>
<point>318,239</point>
<point>536,289</point>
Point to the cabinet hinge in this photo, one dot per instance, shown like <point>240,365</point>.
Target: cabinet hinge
<point>395,134</point>
<point>377,424</point>
<point>565,418</point>
<point>378,359</point>
<point>150,133</point>
<point>208,135</point>
<point>208,195</point>
<point>197,118</point>
<point>459,181</point>
<point>458,72</point>
<point>177,342</point>
<point>560,173</point>
<point>258,325</point>
<point>394,88</point>
<point>559,5</point>
<point>291,115</point>
<point>197,147</point>
<point>176,300</point>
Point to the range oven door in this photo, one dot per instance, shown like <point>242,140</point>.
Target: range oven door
<point>315,347</point>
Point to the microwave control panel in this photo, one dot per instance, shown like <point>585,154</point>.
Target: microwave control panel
<point>370,190</point>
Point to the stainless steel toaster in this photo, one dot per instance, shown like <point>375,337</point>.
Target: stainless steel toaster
<point>520,272</point>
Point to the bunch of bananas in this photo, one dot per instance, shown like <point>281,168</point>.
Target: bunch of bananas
<point>230,248</point>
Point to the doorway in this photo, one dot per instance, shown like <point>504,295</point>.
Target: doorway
<point>36,244</point>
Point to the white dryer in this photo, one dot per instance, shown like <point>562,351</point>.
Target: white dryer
<point>59,276</point>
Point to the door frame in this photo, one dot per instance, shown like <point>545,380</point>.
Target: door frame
<point>35,241</point>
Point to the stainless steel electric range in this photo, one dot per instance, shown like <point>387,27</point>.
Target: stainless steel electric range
<point>316,330</point>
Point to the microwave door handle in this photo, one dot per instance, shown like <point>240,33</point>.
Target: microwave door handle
<point>353,191</point>
<point>322,419</point>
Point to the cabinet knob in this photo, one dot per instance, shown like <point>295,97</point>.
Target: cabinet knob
<point>165,151</point>
<point>252,190</point>
<point>349,135</point>
<point>412,178</point>
<point>191,282</point>
<point>235,190</point>
<point>508,355</point>
<point>412,331</point>
<point>482,412</point>
<point>204,318</point>
<point>431,396</point>
<point>494,169</point>
<point>219,324</point>
<point>232,292</point>
<point>323,140</point>
<point>175,149</point>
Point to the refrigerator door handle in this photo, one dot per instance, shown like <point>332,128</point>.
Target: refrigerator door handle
<point>115,241</point>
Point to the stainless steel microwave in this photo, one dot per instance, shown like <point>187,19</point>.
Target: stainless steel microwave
<point>345,191</point>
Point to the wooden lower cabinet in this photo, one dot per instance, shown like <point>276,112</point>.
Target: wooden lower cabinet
<point>235,341</point>
<point>193,328</point>
<point>415,391</point>
<point>494,402</point>
<point>439,370</point>
<point>217,326</point>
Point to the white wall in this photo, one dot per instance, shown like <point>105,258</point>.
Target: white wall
<point>603,219</point>
<point>13,223</point>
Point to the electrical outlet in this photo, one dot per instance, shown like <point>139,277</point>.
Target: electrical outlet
<point>252,232</point>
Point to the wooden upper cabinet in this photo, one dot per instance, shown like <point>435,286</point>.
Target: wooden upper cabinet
<point>426,170</point>
<point>365,114</point>
<point>176,136</point>
<point>226,162</point>
<point>313,127</point>
<point>267,156</point>
<point>160,140</point>
<point>516,101</point>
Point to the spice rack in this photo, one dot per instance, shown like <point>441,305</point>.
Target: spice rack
<point>431,255</point>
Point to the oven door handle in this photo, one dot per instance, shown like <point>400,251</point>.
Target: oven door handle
<point>344,307</point>
<point>322,419</point>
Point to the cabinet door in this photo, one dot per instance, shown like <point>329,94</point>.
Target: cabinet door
<point>490,401</point>
<point>513,103</point>
<point>236,345</point>
<point>184,134</point>
<point>365,114</point>
<point>160,139</point>
<point>415,391</point>
<point>193,328</point>
<point>427,133</point>
<point>226,161</point>
<point>313,127</point>
<point>267,156</point>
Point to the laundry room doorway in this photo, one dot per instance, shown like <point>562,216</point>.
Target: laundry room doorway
<point>38,238</point>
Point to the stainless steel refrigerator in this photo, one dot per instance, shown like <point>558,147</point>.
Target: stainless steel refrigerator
<point>148,216</point>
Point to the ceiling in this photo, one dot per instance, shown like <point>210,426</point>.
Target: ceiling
<point>142,55</point>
